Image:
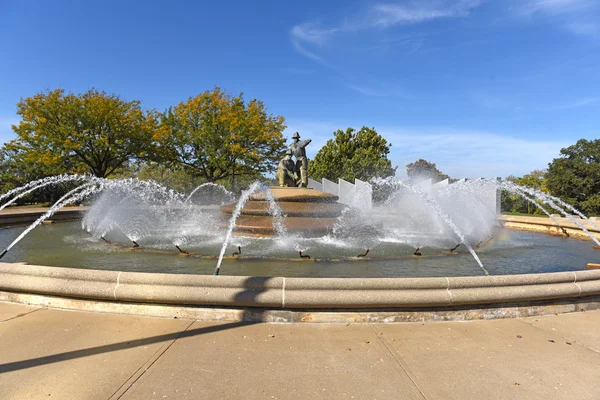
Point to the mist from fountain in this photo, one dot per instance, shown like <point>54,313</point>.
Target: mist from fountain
<point>221,188</point>
<point>29,188</point>
<point>87,189</point>
<point>236,213</point>
<point>415,215</point>
<point>541,196</point>
<point>432,204</point>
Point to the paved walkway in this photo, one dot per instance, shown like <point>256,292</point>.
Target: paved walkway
<point>55,354</point>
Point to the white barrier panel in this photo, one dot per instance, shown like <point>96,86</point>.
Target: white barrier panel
<point>443,183</point>
<point>364,194</point>
<point>346,193</point>
<point>330,187</point>
<point>315,185</point>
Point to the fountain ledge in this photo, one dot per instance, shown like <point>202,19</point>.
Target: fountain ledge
<point>546,225</point>
<point>279,299</point>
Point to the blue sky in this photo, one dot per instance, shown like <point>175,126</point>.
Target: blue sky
<point>482,88</point>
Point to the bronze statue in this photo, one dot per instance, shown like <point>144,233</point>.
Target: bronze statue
<point>299,151</point>
<point>287,175</point>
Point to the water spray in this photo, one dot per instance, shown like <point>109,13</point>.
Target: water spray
<point>417,252</point>
<point>303,256</point>
<point>181,250</point>
<point>364,254</point>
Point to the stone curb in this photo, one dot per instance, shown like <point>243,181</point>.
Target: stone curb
<point>295,293</point>
<point>509,220</point>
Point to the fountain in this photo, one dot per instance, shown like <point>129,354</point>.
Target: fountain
<point>420,230</point>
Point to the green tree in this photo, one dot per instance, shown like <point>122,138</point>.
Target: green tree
<point>217,136</point>
<point>514,203</point>
<point>423,169</point>
<point>16,169</point>
<point>353,155</point>
<point>575,176</point>
<point>94,131</point>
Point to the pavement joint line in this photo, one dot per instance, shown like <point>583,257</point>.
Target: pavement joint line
<point>597,351</point>
<point>400,361</point>
<point>576,284</point>
<point>448,290</point>
<point>154,358</point>
<point>283,294</point>
<point>118,281</point>
<point>22,315</point>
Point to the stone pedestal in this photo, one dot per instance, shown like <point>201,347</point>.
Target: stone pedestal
<point>308,212</point>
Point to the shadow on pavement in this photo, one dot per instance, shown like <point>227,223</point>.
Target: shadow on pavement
<point>253,286</point>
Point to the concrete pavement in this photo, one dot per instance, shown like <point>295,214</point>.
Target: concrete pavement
<point>49,353</point>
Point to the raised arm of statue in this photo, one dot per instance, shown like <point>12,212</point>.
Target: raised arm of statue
<point>304,143</point>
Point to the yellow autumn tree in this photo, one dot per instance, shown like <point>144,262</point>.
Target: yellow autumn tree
<point>93,131</point>
<point>218,136</point>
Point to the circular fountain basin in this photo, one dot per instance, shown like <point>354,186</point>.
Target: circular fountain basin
<point>317,290</point>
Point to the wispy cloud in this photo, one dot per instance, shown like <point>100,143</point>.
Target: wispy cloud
<point>382,16</point>
<point>318,40</point>
<point>459,153</point>
<point>589,29</point>
<point>574,104</point>
<point>575,16</point>
<point>386,15</point>
<point>553,7</point>
<point>470,154</point>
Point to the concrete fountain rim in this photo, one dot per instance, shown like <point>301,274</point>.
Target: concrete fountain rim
<point>280,299</point>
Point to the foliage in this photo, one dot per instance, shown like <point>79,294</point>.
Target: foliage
<point>92,131</point>
<point>353,155</point>
<point>514,203</point>
<point>423,169</point>
<point>216,136</point>
<point>17,170</point>
<point>575,176</point>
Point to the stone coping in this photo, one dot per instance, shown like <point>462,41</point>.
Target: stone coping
<point>564,222</point>
<point>18,215</point>
<point>296,293</point>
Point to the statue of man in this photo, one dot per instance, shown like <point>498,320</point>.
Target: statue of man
<point>299,151</point>
<point>287,176</point>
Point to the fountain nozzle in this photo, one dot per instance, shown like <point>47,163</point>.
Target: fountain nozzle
<point>565,232</point>
<point>135,245</point>
<point>237,253</point>
<point>301,256</point>
<point>3,253</point>
<point>181,250</point>
<point>454,248</point>
<point>105,239</point>
<point>417,252</point>
<point>364,254</point>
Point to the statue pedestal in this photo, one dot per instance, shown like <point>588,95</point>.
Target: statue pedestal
<point>307,212</point>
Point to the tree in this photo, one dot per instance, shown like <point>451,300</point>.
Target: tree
<point>217,136</point>
<point>575,176</point>
<point>95,130</point>
<point>17,170</point>
<point>517,204</point>
<point>353,155</point>
<point>423,169</point>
